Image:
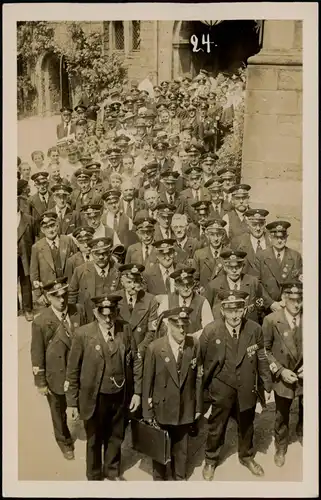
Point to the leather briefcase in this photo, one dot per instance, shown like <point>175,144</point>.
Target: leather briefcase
<point>151,441</point>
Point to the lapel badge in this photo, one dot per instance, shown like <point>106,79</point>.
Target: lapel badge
<point>286,334</point>
<point>97,347</point>
<point>283,275</point>
<point>76,324</point>
<point>285,269</point>
<point>166,360</point>
<point>139,329</point>
<point>218,341</point>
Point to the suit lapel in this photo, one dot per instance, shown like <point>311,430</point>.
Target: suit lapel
<point>273,265</point>
<point>244,340</point>
<point>124,309</point>
<point>46,252</point>
<point>63,252</point>
<point>283,329</point>
<point>209,259</point>
<point>139,311</point>
<point>186,361</point>
<point>169,360</point>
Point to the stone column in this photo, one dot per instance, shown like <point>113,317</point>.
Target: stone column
<point>272,144</point>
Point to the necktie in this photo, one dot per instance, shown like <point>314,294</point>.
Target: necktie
<point>115,223</point>
<point>56,258</point>
<point>167,282</point>
<point>278,258</point>
<point>130,305</point>
<point>87,258</point>
<point>129,211</point>
<point>146,252</point>
<point>197,196</point>
<point>53,245</point>
<point>258,246</point>
<point>179,359</point>
<point>109,336</point>
<point>234,334</point>
<point>65,322</point>
<point>215,254</point>
<point>43,199</point>
<point>293,323</point>
<point>167,235</point>
<point>103,273</point>
<point>184,303</point>
<point>171,199</point>
<point>234,286</point>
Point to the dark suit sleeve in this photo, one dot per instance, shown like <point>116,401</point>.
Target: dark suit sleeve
<point>73,370</point>
<point>152,322</point>
<point>268,333</point>
<point>137,363</point>
<point>263,364</point>
<point>148,381</point>
<point>267,300</point>
<point>38,355</point>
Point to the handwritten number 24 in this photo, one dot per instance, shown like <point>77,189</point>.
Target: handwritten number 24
<point>205,41</point>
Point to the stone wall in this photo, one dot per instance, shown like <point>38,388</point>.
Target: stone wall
<point>272,147</point>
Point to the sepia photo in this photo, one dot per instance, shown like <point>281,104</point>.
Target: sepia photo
<point>160,257</point>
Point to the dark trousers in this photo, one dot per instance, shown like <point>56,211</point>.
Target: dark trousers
<point>179,440</point>
<point>282,417</point>
<point>58,406</point>
<point>217,424</point>
<point>25,285</point>
<point>105,430</point>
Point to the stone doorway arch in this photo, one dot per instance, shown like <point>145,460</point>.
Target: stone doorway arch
<point>52,83</point>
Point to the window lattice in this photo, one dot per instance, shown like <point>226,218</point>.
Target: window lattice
<point>136,35</point>
<point>119,40</point>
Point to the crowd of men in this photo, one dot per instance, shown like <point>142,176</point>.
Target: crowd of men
<point>155,289</point>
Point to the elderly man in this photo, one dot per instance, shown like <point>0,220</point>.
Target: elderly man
<point>171,193</point>
<point>172,388</point>
<point>255,240</point>
<point>233,277</point>
<point>143,251</point>
<point>82,235</point>
<point>157,274</point>
<point>228,176</point>
<point>207,260</point>
<point>277,263</point>
<point>68,219</point>
<point>84,194</point>
<point>164,214</point>
<point>194,193</point>
<point>151,198</point>
<point>235,220</point>
<point>137,307</point>
<point>184,295</point>
<point>208,165</point>
<point>115,219</point>
<point>189,245</point>
<point>104,379</point>
<point>234,360</point>
<point>219,207</point>
<point>49,255</point>
<point>283,343</point>
<point>129,203</point>
<point>42,200</point>
<point>52,333</point>
<point>96,277</point>
<point>92,214</point>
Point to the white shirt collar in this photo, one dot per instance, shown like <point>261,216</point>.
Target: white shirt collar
<point>218,250</point>
<point>104,330</point>
<point>62,212</point>
<point>240,215</point>
<point>99,270</point>
<point>290,318</point>
<point>174,345</point>
<point>281,252</point>
<point>217,205</point>
<point>44,196</point>
<point>56,240</point>
<point>182,242</point>
<point>255,240</point>
<point>230,329</point>
<point>60,314</point>
<point>232,284</point>
<point>188,301</point>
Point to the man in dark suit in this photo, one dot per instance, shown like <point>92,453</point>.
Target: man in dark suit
<point>193,194</point>
<point>52,333</point>
<point>49,255</point>
<point>151,174</point>
<point>96,277</point>
<point>104,378</point>
<point>91,215</point>
<point>160,148</point>
<point>68,219</point>
<point>66,127</point>
<point>157,274</point>
<point>26,235</point>
<point>172,388</point>
<point>170,195</point>
<point>82,236</point>
<point>143,251</point>
<point>42,200</point>
<point>255,240</point>
<point>164,214</point>
<point>137,307</point>
<point>229,179</point>
<point>116,220</point>
<point>207,163</point>
<point>129,203</point>
<point>83,195</point>
<point>183,241</point>
<point>283,343</point>
<point>277,263</point>
<point>235,220</point>
<point>234,278</point>
<point>207,260</point>
<point>219,207</point>
<point>234,360</point>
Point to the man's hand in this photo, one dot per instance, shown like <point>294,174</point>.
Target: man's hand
<point>276,306</point>
<point>197,415</point>
<point>300,372</point>
<point>288,376</point>
<point>44,391</point>
<point>135,402</point>
<point>72,414</point>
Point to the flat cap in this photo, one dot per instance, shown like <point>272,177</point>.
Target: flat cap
<point>56,286</point>
<point>240,189</point>
<point>145,223</point>
<point>214,183</point>
<point>232,298</point>
<point>214,224</point>
<point>278,226</point>
<point>91,208</point>
<point>61,189</point>
<point>39,177</point>
<point>194,171</point>
<point>111,194</point>
<point>132,269</point>
<point>178,313</point>
<point>101,244</point>
<point>83,233</point>
<point>292,288</point>
<point>108,300</point>
<point>169,176</point>
<point>201,205</point>
<point>233,255</point>
<point>183,273</point>
<point>82,174</point>
<point>165,208</point>
<point>256,214</point>
<point>48,217</point>
<point>165,245</point>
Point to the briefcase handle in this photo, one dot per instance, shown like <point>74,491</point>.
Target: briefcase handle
<point>152,422</point>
